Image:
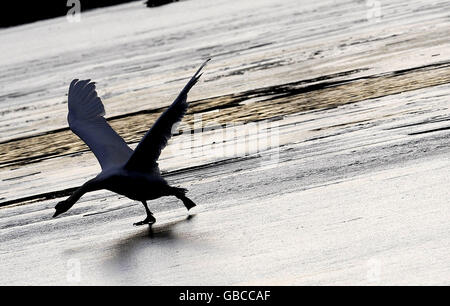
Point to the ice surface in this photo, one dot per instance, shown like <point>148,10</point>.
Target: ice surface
<point>353,189</point>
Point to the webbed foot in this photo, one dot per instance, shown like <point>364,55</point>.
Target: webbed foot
<point>149,220</point>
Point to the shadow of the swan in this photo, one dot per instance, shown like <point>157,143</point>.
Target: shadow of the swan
<point>164,231</point>
<point>150,243</point>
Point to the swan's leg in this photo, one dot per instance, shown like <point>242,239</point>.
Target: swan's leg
<point>180,193</point>
<point>150,219</point>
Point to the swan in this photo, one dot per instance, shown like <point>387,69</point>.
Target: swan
<point>134,174</point>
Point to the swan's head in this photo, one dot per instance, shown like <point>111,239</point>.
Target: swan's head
<point>61,208</point>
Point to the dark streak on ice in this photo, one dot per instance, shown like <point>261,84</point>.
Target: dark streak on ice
<point>69,191</point>
<point>431,131</point>
<point>268,93</point>
<point>20,177</point>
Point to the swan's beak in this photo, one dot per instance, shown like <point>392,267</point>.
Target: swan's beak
<point>57,213</point>
<point>61,208</point>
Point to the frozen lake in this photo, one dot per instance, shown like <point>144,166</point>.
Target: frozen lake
<point>319,153</point>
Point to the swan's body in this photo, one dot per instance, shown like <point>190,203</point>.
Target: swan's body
<point>134,174</point>
<point>132,184</point>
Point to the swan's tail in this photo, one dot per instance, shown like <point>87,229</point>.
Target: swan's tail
<point>180,193</point>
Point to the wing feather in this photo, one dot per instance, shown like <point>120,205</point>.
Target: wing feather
<point>146,154</point>
<point>86,120</point>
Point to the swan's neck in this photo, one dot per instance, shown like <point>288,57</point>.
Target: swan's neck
<point>89,186</point>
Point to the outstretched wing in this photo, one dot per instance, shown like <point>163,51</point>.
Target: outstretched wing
<point>86,120</point>
<point>147,152</point>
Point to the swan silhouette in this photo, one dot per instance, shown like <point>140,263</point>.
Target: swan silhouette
<point>134,174</point>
